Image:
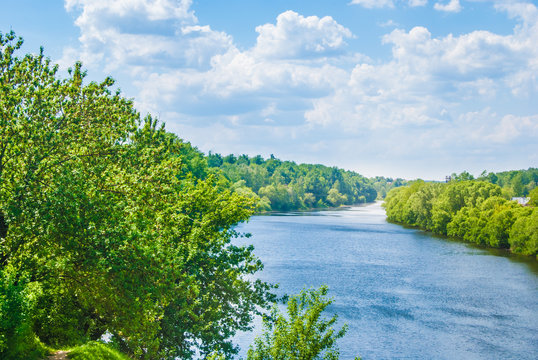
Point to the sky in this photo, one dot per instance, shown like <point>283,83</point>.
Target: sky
<point>399,88</point>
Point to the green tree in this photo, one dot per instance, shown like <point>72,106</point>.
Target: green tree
<point>397,203</point>
<point>473,211</point>
<point>492,178</point>
<point>258,160</point>
<point>309,200</point>
<point>18,298</point>
<point>524,234</point>
<point>518,185</point>
<point>282,197</point>
<point>272,178</point>
<point>230,159</point>
<point>421,203</point>
<point>335,198</point>
<point>214,160</point>
<point>462,177</point>
<point>303,335</point>
<point>117,221</point>
<point>468,224</point>
<point>533,197</point>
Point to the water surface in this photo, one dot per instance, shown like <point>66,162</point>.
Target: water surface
<point>403,293</point>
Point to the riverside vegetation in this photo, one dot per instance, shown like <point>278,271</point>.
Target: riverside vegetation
<point>111,225</point>
<point>475,211</point>
<point>277,185</point>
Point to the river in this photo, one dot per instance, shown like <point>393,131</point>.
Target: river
<point>403,293</point>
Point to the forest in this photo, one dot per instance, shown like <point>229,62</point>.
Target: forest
<point>513,183</point>
<point>277,185</point>
<point>112,227</point>
<point>477,211</point>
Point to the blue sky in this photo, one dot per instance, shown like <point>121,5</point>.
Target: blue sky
<point>407,88</point>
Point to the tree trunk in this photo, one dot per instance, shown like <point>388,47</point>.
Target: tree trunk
<point>3,234</point>
<point>3,226</point>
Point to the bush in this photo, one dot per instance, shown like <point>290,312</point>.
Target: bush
<point>17,303</point>
<point>304,334</point>
<point>95,351</point>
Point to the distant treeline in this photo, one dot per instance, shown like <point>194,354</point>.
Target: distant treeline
<point>476,211</point>
<point>284,185</point>
<point>513,183</point>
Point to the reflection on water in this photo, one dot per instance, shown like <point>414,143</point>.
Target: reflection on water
<point>403,293</point>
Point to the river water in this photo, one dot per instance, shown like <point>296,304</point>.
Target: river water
<point>403,293</point>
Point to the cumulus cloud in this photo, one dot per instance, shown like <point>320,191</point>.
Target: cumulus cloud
<point>452,6</point>
<point>511,127</point>
<point>476,54</point>
<point>242,82</point>
<point>153,10</point>
<point>435,95</point>
<point>299,85</point>
<point>142,33</point>
<point>526,11</point>
<point>296,36</point>
<point>178,62</point>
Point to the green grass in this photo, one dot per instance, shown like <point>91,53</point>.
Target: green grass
<point>28,349</point>
<point>95,351</point>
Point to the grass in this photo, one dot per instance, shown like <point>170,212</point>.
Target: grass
<point>29,349</point>
<point>95,351</point>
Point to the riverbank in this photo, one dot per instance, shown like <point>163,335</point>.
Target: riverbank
<point>471,211</point>
<point>328,208</point>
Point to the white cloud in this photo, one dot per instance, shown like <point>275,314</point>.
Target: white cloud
<point>524,10</point>
<point>154,10</point>
<point>476,54</point>
<point>372,4</point>
<point>510,127</point>
<point>414,3</point>
<point>142,33</point>
<point>369,4</point>
<point>452,6</point>
<point>296,36</point>
<point>389,23</point>
<point>177,61</point>
<point>299,87</point>
<point>289,65</point>
<point>243,81</point>
<point>430,80</point>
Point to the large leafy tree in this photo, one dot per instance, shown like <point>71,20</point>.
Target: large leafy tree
<point>115,219</point>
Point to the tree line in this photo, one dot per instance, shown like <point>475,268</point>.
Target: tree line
<point>513,183</point>
<point>475,211</point>
<point>111,225</point>
<point>284,185</point>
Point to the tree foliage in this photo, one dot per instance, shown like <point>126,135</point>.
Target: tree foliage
<point>18,298</point>
<point>472,210</point>
<point>304,334</point>
<point>515,183</point>
<point>119,224</point>
<point>284,185</point>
